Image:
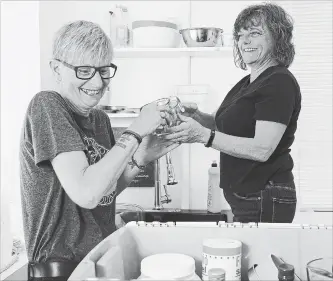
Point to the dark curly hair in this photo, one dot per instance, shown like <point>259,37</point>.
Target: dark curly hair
<point>280,25</point>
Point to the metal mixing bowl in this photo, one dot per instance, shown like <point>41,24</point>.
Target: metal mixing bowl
<point>201,36</point>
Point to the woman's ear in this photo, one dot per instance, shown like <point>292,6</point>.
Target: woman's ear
<point>55,68</point>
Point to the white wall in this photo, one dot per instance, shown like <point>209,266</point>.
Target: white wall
<point>20,80</point>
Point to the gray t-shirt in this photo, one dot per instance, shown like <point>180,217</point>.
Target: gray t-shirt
<point>55,227</point>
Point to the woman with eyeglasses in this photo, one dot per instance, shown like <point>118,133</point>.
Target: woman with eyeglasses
<point>71,167</point>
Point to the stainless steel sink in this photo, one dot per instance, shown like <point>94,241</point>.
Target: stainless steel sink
<point>166,215</point>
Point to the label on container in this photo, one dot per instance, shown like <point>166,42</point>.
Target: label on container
<point>231,265</point>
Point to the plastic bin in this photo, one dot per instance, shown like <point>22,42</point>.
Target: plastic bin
<point>120,254</point>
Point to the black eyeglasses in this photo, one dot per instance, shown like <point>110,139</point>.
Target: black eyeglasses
<point>85,72</point>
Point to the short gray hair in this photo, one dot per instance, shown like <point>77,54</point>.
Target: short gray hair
<point>79,39</point>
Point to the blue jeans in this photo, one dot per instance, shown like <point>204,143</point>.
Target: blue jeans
<point>276,203</point>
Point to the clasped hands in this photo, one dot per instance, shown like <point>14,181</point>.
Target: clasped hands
<point>179,125</point>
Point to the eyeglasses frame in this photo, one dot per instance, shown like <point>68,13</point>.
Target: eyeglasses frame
<point>97,69</point>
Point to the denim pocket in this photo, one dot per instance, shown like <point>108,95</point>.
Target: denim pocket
<point>284,202</point>
<point>246,208</point>
<point>248,197</point>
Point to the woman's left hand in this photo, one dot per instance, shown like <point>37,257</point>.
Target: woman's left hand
<point>188,131</point>
<point>153,148</point>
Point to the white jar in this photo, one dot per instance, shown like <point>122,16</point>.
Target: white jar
<point>222,253</point>
<point>168,266</point>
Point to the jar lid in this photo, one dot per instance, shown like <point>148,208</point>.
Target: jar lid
<point>216,272</point>
<point>167,266</point>
<point>222,247</point>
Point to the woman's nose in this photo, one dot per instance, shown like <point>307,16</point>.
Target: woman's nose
<point>96,80</point>
<point>246,39</point>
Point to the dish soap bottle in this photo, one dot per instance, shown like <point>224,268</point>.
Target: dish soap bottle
<point>214,204</point>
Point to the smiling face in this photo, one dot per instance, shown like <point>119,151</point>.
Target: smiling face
<point>84,44</point>
<point>84,94</point>
<point>255,44</point>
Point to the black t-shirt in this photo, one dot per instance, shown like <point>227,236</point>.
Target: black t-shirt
<point>56,228</point>
<point>273,96</point>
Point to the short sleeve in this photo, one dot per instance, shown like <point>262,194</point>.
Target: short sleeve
<point>52,127</point>
<point>110,131</point>
<point>276,99</point>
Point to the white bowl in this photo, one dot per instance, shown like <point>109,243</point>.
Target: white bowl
<point>155,34</point>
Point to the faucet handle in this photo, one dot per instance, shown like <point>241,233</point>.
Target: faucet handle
<point>171,179</point>
<point>165,199</point>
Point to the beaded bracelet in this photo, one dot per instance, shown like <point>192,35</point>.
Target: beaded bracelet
<point>134,134</point>
<point>141,167</point>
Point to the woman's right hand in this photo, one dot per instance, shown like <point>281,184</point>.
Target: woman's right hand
<point>190,109</point>
<point>151,117</point>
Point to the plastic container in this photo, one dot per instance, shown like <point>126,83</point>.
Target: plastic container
<point>155,34</point>
<point>214,199</point>
<point>216,274</point>
<point>222,253</point>
<point>168,266</point>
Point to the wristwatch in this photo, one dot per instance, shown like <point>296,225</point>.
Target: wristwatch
<point>211,138</point>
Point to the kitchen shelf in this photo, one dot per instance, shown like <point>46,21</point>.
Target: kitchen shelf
<point>173,52</point>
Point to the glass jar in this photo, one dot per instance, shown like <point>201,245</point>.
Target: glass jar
<point>174,106</point>
<point>320,269</point>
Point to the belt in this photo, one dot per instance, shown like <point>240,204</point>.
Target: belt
<point>51,269</point>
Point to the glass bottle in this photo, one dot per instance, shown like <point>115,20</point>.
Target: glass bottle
<point>122,28</point>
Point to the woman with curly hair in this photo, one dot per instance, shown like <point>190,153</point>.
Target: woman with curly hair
<point>255,125</point>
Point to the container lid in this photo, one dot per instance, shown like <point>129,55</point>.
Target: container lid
<point>146,23</point>
<point>167,266</point>
<point>222,247</point>
<point>216,272</point>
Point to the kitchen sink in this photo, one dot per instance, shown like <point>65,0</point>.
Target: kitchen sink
<point>175,215</point>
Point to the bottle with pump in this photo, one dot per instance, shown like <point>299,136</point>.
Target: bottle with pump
<point>214,203</point>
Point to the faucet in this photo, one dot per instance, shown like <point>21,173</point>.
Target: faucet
<point>165,199</point>
<point>174,104</point>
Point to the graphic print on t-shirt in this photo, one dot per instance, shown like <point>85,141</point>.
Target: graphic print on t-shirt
<point>95,153</point>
